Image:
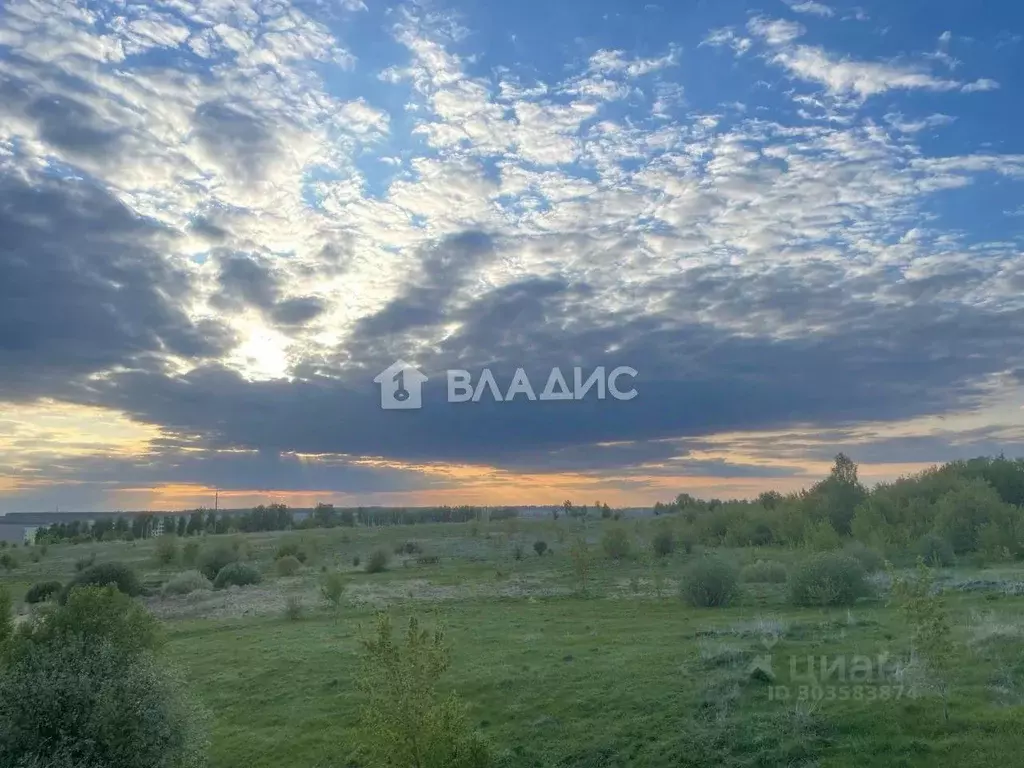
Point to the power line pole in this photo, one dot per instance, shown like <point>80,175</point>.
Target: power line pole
<point>216,500</point>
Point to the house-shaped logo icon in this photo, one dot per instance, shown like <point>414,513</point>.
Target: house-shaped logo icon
<point>400,385</point>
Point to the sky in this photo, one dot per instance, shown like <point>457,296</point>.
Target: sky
<point>800,223</point>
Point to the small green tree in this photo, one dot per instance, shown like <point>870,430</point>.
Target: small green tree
<point>166,550</point>
<point>332,589</point>
<point>540,547</point>
<point>663,543</point>
<point>615,543</point>
<point>931,633</point>
<point>582,560</point>
<point>404,721</point>
<point>6,622</point>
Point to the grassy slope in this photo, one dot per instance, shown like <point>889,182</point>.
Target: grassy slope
<point>613,679</point>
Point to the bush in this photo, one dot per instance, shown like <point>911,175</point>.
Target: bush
<point>663,543</point>
<point>355,561</point>
<point>190,553</point>
<point>710,582</point>
<point>828,578</point>
<point>85,562</point>
<point>540,547</point>
<point>6,622</point>
<point>186,583</point>
<point>615,543</point>
<point>236,575</point>
<point>870,559</point>
<point>936,551</point>
<point>95,614</point>
<point>378,561</point>
<point>287,565</point>
<point>291,549</point>
<point>85,704</point>
<point>408,548</point>
<point>166,551</point>
<point>687,539</point>
<point>293,608</point>
<point>120,575</point>
<point>764,572</point>
<point>404,720</point>
<point>8,561</point>
<point>332,588</point>
<point>43,591</point>
<point>216,558</point>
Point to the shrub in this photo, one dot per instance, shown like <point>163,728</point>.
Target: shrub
<point>615,543</point>
<point>120,575</point>
<point>291,549</point>
<point>95,614</point>
<point>166,550</point>
<point>687,539</point>
<point>821,536</point>
<point>287,565</point>
<point>408,548</point>
<point>236,575</point>
<point>355,561</point>
<point>8,561</point>
<point>84,704</point>
<point>83,563</point>
<point>870,559</point>
<point>378,561</point>
<point>663,543</point>
<point>216,558</point>
<point>582,560</point>
<point>828,578</point>
<point>190,553</point>
<point>540,547</point>
<point>936,551</point>
<point>42,591</point>
<point>6,622</point>
<point>186,583</point>
<point>931,630</point>
<point>404,720</point>
<point>332,588</point>
<point>764,572</point>
<point>293,608</point>
<point>710,582</point>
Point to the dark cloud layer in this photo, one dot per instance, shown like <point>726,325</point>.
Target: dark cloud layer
<point>85,287</point>
<point>694,379</point>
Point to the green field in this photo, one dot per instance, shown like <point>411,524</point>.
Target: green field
<point>623,674</point>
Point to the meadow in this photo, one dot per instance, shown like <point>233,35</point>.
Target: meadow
<point>576,657</point>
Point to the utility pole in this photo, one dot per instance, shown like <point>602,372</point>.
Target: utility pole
<point>216,500</point>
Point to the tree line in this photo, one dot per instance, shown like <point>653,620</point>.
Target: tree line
<point>975,505</point>
<point>270,517</point>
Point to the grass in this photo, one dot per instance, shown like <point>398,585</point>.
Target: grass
<point>613,678</point>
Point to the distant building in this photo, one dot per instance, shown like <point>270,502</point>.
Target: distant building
<point>14,533</point>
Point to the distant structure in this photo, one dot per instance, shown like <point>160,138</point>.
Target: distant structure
<point>18,527</point>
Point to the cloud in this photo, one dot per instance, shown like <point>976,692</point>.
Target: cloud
<point>812,7</point>
<point>776,31</point>
<point>241,223</point>
<point>902,125</point>
<point>727,36</point>
<point>85,286</point>
<point>859,78</point>
<point>984,84</point>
